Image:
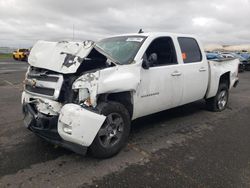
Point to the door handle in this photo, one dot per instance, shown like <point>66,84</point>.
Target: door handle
<point>176,73</point>
<point>202,69</point>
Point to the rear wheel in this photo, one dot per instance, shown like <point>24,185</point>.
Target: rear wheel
<point>219,102</point>
<point>113,134</point>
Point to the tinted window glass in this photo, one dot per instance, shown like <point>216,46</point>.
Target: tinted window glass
<point>190,50</point>
<point>164,49</point>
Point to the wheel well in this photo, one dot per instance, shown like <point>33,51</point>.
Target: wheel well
<point>225,78</point>
<point>124,98</point>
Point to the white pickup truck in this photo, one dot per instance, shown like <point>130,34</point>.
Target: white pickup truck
<point>83,95</point>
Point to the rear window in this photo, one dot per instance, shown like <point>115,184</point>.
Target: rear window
<point>190,50</point>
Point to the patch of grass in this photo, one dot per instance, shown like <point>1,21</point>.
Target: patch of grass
<point>5,56</point>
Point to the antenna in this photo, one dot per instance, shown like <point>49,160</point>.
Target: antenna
<point>140,31</point>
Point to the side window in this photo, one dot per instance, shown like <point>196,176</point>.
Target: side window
<point>163,51</point>
<point>190,50</point>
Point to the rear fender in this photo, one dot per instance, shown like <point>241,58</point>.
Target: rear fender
<point>217,70</point>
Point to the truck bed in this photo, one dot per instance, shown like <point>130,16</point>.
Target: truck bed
<point>218,67</point>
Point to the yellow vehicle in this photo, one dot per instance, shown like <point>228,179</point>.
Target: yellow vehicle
<point>21,54</point>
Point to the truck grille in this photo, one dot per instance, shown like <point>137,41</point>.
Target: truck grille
<point>43,84</point>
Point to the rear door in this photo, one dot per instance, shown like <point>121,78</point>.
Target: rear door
<point>195,70</point>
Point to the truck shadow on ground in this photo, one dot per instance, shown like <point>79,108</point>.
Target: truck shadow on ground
<point>150,121</point>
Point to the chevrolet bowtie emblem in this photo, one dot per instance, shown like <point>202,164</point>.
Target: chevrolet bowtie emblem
<point>30,82</point>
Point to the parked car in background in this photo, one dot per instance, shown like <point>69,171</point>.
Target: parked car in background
<point>213,55</point>
<point>21,54</point>
<point>246,62</point>
<point>235,55</point>
<point>227,55</point>
<point>244,58</point>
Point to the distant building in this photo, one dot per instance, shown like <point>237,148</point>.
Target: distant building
<point>218,47</point>
<point>244,47</point>
<point>213,47</point>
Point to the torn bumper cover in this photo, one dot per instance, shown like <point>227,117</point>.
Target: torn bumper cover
<point>78,125</point>
<point>75,128</point>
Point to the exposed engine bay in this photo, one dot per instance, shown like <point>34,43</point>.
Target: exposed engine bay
<point>56,84</point>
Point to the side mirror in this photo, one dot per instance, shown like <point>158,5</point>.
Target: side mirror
<point>145,64</point>
<point>150,61</point>
<point>153,58</point>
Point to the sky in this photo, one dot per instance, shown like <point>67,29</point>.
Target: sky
<point>23,22</point>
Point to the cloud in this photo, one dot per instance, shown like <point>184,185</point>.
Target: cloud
<point>24,22</point>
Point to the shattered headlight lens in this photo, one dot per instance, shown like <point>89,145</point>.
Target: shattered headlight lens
<point>83,94</point>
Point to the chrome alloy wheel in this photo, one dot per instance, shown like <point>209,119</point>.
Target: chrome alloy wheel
<point>111,131</point>
<point>222,99</point>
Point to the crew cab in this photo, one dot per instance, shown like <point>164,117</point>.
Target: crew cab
<point>84,95</point>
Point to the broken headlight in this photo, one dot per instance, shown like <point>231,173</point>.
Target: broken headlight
<point>83,94</point>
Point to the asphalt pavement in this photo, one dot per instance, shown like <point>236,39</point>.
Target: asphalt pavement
<point>183,147</point>
<point>9,65</point>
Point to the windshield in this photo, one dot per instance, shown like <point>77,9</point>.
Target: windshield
<point>122,49</point>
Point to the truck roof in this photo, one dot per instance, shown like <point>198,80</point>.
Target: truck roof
<point>156,34</point>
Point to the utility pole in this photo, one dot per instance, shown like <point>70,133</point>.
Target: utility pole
<point>73,32</point>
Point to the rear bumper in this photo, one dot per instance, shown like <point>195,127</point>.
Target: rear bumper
<point>46,127</point>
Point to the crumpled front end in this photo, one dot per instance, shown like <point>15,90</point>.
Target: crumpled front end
<point>69,125</point>
<point>61,92</point>
<point>50,113</point>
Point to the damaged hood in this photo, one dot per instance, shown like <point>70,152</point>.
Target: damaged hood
<point>64,57</point>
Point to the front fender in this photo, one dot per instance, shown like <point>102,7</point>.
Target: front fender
<point>110,80</point>
<point>121,79</point>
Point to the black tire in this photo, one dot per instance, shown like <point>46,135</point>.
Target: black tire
<point>247,67</point>
<point>219,102</point>
<point>14,58</point>
<point>25,59</point>
<point>107,143</point>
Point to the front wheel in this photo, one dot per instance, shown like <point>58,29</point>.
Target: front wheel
<point>219,102</point>
<point>113,134</point>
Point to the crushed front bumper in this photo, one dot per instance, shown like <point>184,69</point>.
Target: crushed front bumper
<point>74,127</point>
<point>79,125</point>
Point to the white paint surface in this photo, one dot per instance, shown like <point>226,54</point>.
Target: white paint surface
<point>84,123</point>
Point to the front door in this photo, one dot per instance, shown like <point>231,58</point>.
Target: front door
<point>161,84</point>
